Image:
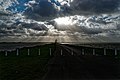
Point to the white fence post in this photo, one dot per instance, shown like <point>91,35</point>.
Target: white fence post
<point>28,52</point>
<point>72,53</point>
<point>17,53</point>
<point>115,52</point>
<point>104,51</point>
<point>93,51</point>
<point>83,53</point>
<point>6,53</point>
<point>39,52</point>
<point>50,52</point>
<point>61,52</point>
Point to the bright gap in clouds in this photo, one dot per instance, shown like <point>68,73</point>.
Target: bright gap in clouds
<point>64,21</point>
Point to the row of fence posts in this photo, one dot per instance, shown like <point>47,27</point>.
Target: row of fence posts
<point>61,52</point>
<point>114,52</point>
<point>28,52</point>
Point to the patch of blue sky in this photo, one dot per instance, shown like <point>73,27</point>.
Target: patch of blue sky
<point>20,7</point>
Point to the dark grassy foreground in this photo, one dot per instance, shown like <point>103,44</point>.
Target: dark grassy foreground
<point>34,66</point>
<point>24,67</point>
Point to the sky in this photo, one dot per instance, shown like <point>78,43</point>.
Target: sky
<point>78,21</point>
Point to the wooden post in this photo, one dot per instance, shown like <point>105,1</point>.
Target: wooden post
<point>28,52</point>
<point>39,52</point>
<point>6,53</point>
<point>104,51</point>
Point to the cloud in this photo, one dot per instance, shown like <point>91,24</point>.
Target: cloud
<point>37,9</point>
<point>44,8</point>
<point>4,4</point>
<point>73,27</point>
<point>50,9</point>
<point>94,6</point>
<point>45,19</point>
<point>88,24</point>
<point>18,26</point>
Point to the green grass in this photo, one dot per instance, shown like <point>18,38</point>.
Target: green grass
<point>24,67</point>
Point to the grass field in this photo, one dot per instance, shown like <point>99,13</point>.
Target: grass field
<point>24,67</point>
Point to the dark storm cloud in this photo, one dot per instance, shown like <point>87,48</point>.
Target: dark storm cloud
<point>94,6</point>
<point>41,9</point>
<point>45,9</point>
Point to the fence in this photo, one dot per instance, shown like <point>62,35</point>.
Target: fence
<point>94,52</point>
